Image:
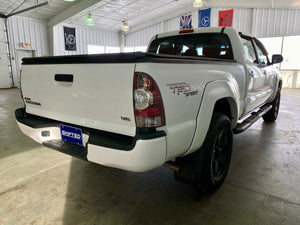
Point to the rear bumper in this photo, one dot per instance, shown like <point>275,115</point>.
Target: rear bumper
<point>145,151</point>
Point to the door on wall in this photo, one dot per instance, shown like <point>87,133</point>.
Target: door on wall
<point>5,79</point>
<point>20,55</point>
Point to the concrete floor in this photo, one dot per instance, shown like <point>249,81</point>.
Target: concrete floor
<point>42,186</point>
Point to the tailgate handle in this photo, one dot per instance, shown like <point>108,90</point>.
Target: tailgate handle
<point>64,77</point>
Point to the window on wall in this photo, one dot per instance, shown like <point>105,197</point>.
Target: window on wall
<point>98,49</point>
<point>136,49</point>
<point>140,48</point>
<point>288,47</point>
<point>272,44</point>
<point>291,53</point>
<point>95,49</point>
<point>112,49</point>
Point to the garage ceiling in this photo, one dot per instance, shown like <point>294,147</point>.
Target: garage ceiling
<point>109,14</point>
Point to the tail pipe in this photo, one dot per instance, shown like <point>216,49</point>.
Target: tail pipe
<point>173,166</point>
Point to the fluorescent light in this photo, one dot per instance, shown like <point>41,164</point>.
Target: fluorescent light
<point>69,0</point>
<point>198,3</point>
<point>296,3</point>
<point>89,21</point>
<point>125,26</point>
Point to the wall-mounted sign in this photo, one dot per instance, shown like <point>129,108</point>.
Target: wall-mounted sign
<point>70,39</point>
<point>225,18</point>
<point>204,17</point>
<point>25,45</point>
<point>186,22</point>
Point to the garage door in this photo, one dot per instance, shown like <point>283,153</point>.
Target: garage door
<point>5,80</point>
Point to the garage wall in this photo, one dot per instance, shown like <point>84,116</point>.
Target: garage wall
<point>142,37</point>
<point>241,21</point>
<point>84,36</point>
<point>5,80</point>
<point>277,22</point>
<point>26,30</point>
<point>267,22</point>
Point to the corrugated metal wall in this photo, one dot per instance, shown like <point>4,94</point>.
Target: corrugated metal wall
<point>242,18</point>
<point>142,37</point>
<point>267,22</point>
<point>5,80</point>
<point>84,36</point>
<point>26,30</point>
<point>277,22</point>
<point>30,31</point>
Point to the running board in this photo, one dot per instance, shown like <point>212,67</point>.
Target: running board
<point>245,124</point>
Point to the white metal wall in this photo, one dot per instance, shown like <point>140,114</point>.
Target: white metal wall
<point>26,30</point>
<point>30,31</point>
<point>84,36</point>
<point>277,22</point>
<point>142,37</point>
<point>242,20</point>
<point>5,80</point>
<point>267,22</point>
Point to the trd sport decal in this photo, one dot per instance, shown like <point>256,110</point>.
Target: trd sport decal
<point>183,88</point>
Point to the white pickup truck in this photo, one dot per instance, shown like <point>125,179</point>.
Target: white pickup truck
<point>178,104</point>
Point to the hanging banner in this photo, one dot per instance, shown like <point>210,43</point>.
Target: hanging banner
<point>185,22</point>
<point>70,39</point>
<point>204,17</point>
<point>225,18</point>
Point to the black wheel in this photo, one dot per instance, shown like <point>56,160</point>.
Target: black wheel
<point>271,116</point>
<point>218,148</point>
<point>206,169</point>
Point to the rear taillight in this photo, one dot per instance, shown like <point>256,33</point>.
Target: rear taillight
<point>148,105</point>
<point>20,86</point>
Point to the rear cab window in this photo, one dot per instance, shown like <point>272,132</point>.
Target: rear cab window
<point>212,45</point>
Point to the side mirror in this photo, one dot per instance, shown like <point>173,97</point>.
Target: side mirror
<point>277,58</point>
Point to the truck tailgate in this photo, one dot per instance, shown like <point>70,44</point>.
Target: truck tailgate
<point>98,96</point>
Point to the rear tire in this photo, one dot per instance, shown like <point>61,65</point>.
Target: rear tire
<point>272,115</point>
<point>207,168</point>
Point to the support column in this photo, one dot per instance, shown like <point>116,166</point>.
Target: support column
<point>122,41</point>
<point>162,27</point>
<point>253,25</point>
<point>50,40</point>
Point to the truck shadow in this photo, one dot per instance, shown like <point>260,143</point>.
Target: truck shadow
<point>101,195</point>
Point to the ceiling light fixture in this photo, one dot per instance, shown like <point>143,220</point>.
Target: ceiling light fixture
<point>69,0</point>
<point>125,26</point>
<point>89,21</point>
<point>198,3</point>
<point>296,3</point>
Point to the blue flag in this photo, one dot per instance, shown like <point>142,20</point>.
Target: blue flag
<point>204,18</point>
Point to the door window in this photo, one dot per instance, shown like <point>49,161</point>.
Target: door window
<point>249,50</point>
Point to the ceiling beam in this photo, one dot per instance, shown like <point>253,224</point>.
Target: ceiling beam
<point>188,8</point>
<point>71,11</point>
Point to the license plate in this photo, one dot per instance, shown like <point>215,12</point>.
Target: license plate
<point>71,134</point>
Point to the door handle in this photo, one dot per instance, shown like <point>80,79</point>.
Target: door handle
<point>63,77</point>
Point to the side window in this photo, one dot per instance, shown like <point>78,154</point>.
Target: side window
<point>262,56</point>
<point>249,50</point>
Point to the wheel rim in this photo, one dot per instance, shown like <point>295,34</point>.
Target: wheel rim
<point>219,159</point>
<point>276,107</point>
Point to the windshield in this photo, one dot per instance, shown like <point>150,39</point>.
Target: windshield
<point>212,45</point>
